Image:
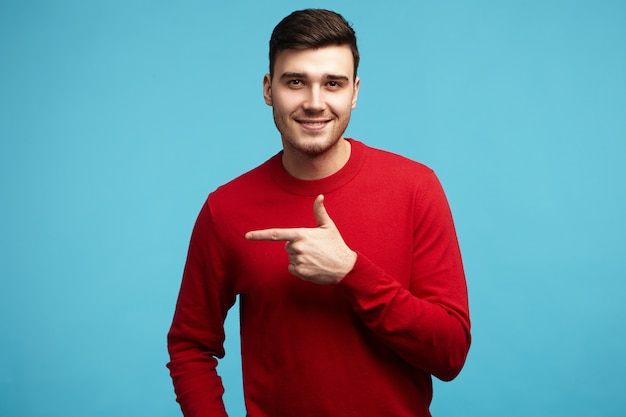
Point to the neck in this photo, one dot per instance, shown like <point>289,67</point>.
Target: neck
<point>314,167</point>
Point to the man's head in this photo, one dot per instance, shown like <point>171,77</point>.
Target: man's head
<point>312,29</point>
<point>312,87</point>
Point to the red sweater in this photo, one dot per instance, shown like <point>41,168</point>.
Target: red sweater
<point>366,346</point>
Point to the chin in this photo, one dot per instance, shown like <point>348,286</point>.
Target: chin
<point>313,148</point>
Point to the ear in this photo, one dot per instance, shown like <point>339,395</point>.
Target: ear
<point>355,93</point>
<point>267,89</point>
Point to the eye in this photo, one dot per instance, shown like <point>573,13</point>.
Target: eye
<point>334,85</point>
<point>295,83</point>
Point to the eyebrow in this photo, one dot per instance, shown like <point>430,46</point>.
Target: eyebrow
<point>333,77</point>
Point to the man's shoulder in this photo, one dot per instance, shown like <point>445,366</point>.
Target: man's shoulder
<point>249,182</point>
<point>393,162</point>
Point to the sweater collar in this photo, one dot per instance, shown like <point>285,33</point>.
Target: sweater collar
<point>324,185</point>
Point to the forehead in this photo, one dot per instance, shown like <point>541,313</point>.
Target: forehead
<point>328,60</point>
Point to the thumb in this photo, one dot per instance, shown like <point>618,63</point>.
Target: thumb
<point>321,215</point>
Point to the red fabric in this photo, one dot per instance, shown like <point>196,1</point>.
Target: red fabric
<point>366,346</point>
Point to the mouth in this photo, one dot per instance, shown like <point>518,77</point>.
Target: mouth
<point>313,124</point>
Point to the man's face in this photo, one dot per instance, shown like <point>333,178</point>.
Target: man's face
<point>312,93</point>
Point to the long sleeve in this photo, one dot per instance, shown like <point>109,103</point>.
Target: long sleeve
<point>196,337</point>
<point>428,323</point>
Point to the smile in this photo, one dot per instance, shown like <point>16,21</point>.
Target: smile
<point>313,124</point>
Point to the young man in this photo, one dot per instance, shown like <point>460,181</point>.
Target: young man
<point>345,258</point>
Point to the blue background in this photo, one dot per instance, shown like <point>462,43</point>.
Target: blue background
<point>117,118</point>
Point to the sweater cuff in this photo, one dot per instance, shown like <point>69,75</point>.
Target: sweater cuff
<point>364,278</point>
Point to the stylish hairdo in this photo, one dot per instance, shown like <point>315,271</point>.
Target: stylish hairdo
<point>310,29</point>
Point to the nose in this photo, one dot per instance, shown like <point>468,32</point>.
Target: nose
<point>315,99</point>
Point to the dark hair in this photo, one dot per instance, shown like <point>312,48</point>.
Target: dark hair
<point>312,28</point>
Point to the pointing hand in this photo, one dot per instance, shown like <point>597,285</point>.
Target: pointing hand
<point>318,254</point>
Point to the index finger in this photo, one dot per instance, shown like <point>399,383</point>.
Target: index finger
<point>272,234</point>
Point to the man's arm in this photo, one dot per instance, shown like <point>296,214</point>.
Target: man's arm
<point>196,337</point>
<point>428,324</point>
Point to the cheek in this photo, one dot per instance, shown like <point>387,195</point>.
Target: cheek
<point>283,105</point>
<point>343,104</point>
<point>344,109</point>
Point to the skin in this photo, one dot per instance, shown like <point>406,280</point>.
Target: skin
<point>312,93</point>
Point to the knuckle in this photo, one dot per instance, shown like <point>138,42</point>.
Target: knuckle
<point>295,247</point>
